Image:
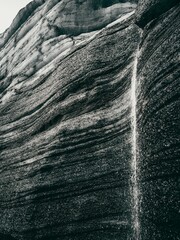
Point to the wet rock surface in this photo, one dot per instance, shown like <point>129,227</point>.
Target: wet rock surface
<point>66,71</point>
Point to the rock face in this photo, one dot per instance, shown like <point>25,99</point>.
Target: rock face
<point>158,91</point>
<point>148,10</point>
<point>66,73</point>
<point>65,123</point>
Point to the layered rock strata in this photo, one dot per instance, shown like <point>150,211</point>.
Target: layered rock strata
<point>152,9</point>
<point>65,123</point>
<point>158,119</point>
<point>66,73</point>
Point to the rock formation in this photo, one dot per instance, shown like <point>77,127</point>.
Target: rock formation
<point>158,120</point>
<point>89,121</point>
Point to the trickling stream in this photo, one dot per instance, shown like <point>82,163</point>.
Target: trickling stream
<point>134,164</point>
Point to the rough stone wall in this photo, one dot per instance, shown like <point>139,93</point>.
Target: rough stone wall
<point>158,124</point>
<point>65,124</point>
<point>66,70</point>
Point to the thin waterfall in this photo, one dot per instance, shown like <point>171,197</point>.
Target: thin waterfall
<point>134,164</point>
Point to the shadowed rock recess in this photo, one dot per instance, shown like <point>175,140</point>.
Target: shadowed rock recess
<point>66,144</point>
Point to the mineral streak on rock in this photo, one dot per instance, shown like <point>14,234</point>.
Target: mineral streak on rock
<point>66,139</point>
<point>135,191</point>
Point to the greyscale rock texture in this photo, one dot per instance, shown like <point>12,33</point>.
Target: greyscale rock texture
<point>66,72</point>
<point>158,89</point>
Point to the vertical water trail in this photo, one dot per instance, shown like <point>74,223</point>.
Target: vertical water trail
<point>134,164</point>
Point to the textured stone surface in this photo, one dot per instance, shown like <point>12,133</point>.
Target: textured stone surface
<point>53,26</point>
<point>149,10</point>
<point>158,127</point>
<point>65,110</point>
<point>66,71</point>
<point>66,16</point>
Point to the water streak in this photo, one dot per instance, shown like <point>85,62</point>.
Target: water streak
<point>134,163</point>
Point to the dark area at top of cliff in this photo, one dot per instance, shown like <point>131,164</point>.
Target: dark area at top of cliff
<point>150,10</point>
<point>6,237</point>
